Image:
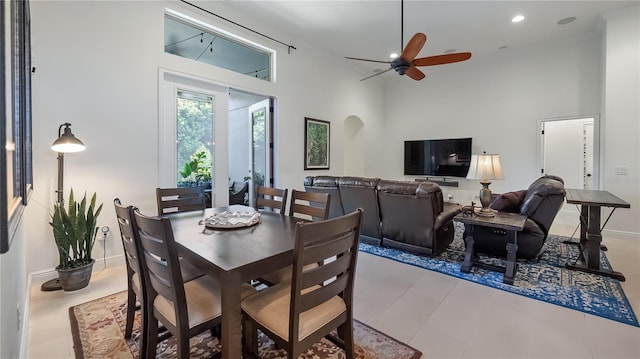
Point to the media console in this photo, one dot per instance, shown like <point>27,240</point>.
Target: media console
<point>439,181</point>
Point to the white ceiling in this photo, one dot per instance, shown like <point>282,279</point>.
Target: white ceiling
<point>371,29</point>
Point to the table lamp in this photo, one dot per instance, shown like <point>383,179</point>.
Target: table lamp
<point>485,167</point>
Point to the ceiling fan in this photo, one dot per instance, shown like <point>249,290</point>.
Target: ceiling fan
<point>406,63</point>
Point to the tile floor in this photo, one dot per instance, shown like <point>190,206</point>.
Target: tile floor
<point>442,316</point>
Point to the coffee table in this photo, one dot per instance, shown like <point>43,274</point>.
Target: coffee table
<point>512,223</point>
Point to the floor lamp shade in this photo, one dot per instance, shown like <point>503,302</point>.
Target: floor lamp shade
<point>67,142</point>
<point>485,167</point>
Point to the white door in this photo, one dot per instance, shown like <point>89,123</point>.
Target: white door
<point>588,155</point>
<point>260,153</point>
<point>174,87</point>
<point>565,143</point>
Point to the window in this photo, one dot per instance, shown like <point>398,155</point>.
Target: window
<point>194,115</point>
<point>201,42</point>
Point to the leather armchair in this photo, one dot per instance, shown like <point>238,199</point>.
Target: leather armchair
<point>541,202</point>
<point>415,217</point>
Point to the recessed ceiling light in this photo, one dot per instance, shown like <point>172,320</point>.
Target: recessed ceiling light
<point>517,18</point>
<point>566,20</point>
<point>393,55</point>
<point>450,51</point>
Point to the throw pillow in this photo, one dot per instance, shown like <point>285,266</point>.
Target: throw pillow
<point>508,202</point>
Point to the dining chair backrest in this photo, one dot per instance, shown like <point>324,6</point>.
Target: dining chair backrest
<point>274,198</point>
<point>160,262</point>
<point>123,215</point>
<point>319,297</point>
<point>309,204</point>
<point>180,199</point>
<point>321,242</point>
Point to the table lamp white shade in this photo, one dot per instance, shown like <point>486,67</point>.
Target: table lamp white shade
<point>485,167</point>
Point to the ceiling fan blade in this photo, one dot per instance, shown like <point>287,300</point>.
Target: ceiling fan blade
<point>414,73</point>
<point>414,46</point>
<point>359,59</point>
<point>442,59</point>
<point>376,74</point>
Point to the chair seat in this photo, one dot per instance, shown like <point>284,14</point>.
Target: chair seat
<point>270,307</point>
<point>203,301</point>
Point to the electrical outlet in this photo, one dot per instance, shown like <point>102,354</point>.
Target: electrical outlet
<point>105,233</point>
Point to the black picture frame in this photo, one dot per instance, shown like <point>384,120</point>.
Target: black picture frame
<point>317,144</point>
<point>16,180</point>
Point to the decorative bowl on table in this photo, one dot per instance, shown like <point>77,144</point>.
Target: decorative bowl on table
<point>231,219</point>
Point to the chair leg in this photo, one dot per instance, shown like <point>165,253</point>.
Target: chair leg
<point>131,312</point>
<point>144,333</point>
<point>346,334</point>
<point>183,345</point>
<point>152,337</point>
<point>249,337</point>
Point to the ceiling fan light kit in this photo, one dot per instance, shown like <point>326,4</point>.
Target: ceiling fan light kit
<point>406,63</point>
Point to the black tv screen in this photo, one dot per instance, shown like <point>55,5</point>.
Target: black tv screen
<point>444,158</point>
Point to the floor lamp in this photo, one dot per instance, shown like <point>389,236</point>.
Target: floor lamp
<point>65,143</point>
<point>485,167</point>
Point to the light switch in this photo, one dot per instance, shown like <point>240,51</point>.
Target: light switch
<point>621,171</point>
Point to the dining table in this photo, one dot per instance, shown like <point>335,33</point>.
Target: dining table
<point>234,256</point>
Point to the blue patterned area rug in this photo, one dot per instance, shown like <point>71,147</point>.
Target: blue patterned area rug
<point>546,280</point>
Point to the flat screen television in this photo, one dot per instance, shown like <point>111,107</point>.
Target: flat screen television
<point>443,158</point>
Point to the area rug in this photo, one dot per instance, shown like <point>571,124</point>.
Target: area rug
<point>546,279</point>
<point>98,332</point>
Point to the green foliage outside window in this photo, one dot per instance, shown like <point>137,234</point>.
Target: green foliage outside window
<point>195,136</point>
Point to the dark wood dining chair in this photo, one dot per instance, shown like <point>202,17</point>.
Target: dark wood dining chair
<point>318,299</point>
<point>184,308</point>
<point>309,204</point>
<point>136,286</point>
<point>272,198</point>
<point>305,205</point>
<point>180,199</point>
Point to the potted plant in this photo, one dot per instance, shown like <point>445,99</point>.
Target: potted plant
<point>74,231</point>
<point>198,170</point>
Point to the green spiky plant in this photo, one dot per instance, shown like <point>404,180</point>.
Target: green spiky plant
<point>74,230</point>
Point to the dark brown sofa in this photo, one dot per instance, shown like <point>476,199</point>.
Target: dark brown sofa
<point>402,214</point>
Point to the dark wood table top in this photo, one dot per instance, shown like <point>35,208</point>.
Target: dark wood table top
<point>504,220</point>
<point>595,198</point>
<point>240,249</point>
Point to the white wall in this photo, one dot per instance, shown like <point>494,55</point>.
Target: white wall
<point>103,79</point>
<point>497,101</point>
<point>621,122</point>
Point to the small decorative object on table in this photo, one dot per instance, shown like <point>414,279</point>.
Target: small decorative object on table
<point>231,220</point>
<point>468,210</point>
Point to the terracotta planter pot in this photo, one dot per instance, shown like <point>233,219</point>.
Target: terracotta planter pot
<point>75,278</point>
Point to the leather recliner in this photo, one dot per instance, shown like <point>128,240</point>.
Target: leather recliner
<point>541,202</point>
<point>415,217</point>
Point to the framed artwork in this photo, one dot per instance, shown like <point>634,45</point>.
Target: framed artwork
<point>16,177</point>
<point>316,144</point>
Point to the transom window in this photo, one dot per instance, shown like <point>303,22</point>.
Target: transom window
<point>201,42</point>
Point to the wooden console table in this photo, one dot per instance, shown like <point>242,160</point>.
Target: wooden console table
<point>591,203</point>
<point>512,223</point>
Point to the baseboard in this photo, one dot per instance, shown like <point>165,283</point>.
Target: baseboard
<point>45,275</point>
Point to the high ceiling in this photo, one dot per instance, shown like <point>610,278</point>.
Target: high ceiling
<point>371,29</point>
